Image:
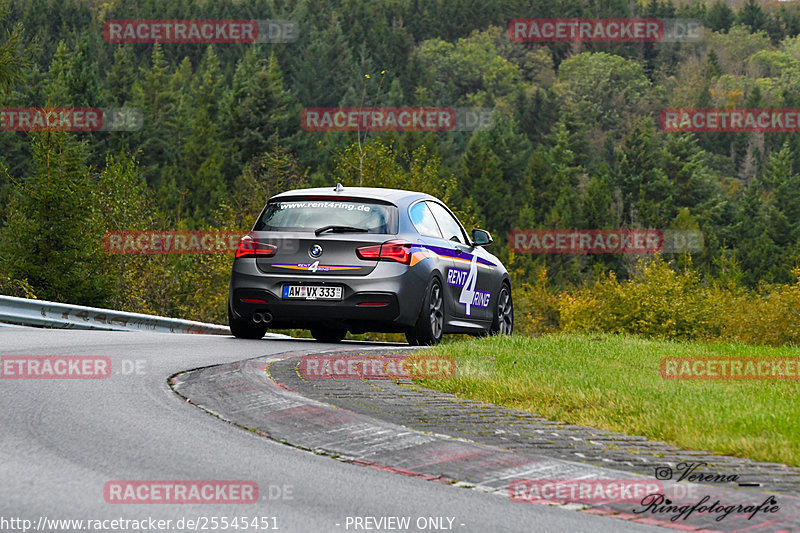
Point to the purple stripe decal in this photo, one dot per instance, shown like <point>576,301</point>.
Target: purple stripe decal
<point>450,254</point>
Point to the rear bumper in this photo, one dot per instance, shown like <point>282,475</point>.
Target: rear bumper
<point>387,299</point>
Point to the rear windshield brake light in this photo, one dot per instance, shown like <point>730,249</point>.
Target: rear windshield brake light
<point>340,198</point>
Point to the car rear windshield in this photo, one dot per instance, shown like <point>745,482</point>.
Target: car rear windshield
<point>311,214</point>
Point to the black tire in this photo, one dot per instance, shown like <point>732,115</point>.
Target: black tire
<point>331,334</point>
<point>243,328</point>
<point>503,321</point>
<point>411,337</point>
<point>429,328</point>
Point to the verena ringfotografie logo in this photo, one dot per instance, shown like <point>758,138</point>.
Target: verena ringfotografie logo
<point>200,31</point>
<point>688,472</point>
<point>70,119</point>
<point>55,366</point>
<point>582,490</point>
<point>395,119</point>
<point>730,120</point>
<point>189,492</point>
<point>657,504</point>
<point>377,367</point>
<point>731,368</point>
<point>619,30</point>
<point>172,242</point>
<point>605,241</point>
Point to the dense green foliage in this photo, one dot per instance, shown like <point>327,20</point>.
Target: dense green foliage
<point>576,142</point>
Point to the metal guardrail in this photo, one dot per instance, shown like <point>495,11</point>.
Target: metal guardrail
<point>41,313</point>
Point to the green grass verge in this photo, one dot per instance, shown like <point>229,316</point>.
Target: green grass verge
<point>613,382</point>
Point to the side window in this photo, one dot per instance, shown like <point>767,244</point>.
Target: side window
<point>451,230</point>
<point>423,220</point>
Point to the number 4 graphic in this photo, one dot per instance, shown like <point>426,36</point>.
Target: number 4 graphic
<point>313,266</point>
<point>468,291</point>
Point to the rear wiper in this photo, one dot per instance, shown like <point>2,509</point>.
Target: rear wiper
<point>339,229</point>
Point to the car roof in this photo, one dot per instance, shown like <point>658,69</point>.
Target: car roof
<point>377,193</point>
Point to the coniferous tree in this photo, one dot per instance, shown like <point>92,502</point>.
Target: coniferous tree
<point>121,77</point>
<point>259,111</point>
<point>53,231</point>
<point>156,141</point>
<point>720,17</point>
<point>493,174</point>
<point>200,168</point>
<point>752,16</point>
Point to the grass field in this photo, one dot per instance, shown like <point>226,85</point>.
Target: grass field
<point>613,382</point>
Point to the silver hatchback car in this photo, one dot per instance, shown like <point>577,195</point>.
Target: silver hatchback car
<point>360,259</point>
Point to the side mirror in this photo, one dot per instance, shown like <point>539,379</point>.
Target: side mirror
<point>481,237</point>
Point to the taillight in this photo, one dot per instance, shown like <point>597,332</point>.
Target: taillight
<point>399,251</point>
<point>369,252</point>
<point>252,247</point>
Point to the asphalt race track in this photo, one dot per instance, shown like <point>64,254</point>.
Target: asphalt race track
<point>64,439</point>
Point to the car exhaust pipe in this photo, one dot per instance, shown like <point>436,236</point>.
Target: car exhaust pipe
<point>262,318</point>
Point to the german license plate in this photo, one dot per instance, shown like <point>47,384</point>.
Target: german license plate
<point>312,292</point>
